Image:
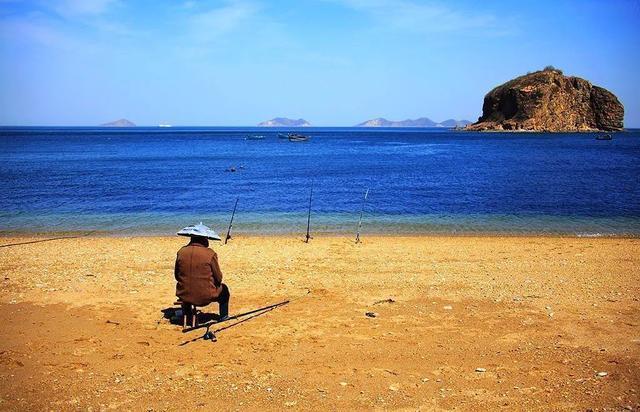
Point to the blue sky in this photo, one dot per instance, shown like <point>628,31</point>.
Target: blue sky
<point>332,62</point>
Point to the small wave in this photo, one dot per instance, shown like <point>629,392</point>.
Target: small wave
<point>597,234</point>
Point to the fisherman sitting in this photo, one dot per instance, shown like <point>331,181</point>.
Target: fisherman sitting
<point>197,272</point>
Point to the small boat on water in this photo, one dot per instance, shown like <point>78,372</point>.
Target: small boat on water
<point>604,137</point>
<point>294,137</point>
<point>254,137</point>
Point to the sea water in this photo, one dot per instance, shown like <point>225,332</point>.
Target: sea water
<point>157,180</point>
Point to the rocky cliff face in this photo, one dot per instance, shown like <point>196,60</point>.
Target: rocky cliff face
<point>549,101</point>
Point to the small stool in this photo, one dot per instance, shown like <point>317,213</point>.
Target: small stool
<point>189,310</point>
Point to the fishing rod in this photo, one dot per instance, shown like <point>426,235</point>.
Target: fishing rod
<point>231,222</point>
<point>49,239</point>
<point>309,215</point>
<point>235,317</point>
<point>361,212</point>
<point>210,335</point>
<point>80,235</point>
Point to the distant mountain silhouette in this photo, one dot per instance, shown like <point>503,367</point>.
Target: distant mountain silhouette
<point>421,122</point>
<point>284,122</point>
<point>454,123</point>
<point>119,123</point>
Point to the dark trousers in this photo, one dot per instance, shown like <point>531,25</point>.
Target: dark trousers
<point>223,301</point>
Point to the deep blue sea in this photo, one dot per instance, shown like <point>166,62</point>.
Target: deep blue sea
<point>157,180</point>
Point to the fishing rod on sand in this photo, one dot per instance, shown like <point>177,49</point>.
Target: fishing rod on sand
<point>211,335</point>
<point>231,222</point>
<point>309,215</point>
<point>240,318</point>
<point>361,212</point>
<point>235,317</point>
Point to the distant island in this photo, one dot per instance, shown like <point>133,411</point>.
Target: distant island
<point>119,123</point>
<point>549,101</point>
<point>284,122</point>
<point>421,122</point>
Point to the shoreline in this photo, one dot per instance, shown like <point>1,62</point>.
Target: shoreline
<point>322,223</point>
<point>294,235</point>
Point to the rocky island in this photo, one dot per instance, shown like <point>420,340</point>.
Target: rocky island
<point>284,122</point>
<point>119,123</point>
<point>548,101</point>
<point>420,122</point>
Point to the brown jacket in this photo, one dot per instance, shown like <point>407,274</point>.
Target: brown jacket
<point>198,274</point>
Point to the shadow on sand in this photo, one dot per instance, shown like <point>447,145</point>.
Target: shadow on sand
<point>174,315</point>
<point>207,320</point>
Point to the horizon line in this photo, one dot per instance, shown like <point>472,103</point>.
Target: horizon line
<point>276,127</point>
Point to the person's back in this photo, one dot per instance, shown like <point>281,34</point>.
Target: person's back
<point>198,276</point>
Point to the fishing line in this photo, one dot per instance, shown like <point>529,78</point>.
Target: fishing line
<point>210,335</point>
<point>85,234</point>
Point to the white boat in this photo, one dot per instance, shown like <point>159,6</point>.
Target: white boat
<point>164,125</point>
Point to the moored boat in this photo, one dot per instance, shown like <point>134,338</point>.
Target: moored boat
<point>604,137</point>
<point>254,137</point>
<point>294,137</point>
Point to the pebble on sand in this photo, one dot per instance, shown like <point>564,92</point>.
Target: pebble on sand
<point>481,370</point>
<point>601,374</point>
<point>371,314</point>
<point>448,307</point>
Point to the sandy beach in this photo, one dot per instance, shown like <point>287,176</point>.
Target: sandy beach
<point>464,323</point>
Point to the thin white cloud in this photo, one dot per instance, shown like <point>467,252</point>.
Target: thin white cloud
<point>417,16</point>
<point>75,8</point>
<point>65,25</point>
<point>208,25</point>
<point>97,15</point>
<point>36,30</point>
